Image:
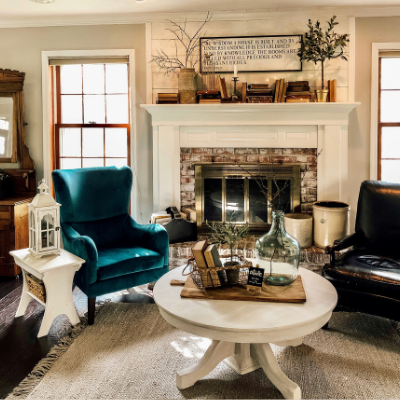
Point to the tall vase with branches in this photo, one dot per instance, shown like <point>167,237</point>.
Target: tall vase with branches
<point>320,45</point>
<point>188,45</point>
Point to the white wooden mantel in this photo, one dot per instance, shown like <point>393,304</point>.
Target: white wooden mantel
<point>323,126</point>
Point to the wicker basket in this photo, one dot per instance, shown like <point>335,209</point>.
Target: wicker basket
<point>206,278</point>
<point>36,287</point>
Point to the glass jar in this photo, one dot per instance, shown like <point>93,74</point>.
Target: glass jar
<point>187,86</point>
<point>278,253</point>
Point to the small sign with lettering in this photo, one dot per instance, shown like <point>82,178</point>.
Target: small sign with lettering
<point>255,278</point>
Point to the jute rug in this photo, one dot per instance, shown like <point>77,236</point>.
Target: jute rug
<point>132,353</point>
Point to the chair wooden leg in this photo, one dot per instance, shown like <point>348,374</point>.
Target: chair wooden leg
<point>91,309</point>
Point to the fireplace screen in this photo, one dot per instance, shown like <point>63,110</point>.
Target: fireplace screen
<point>229,192</point>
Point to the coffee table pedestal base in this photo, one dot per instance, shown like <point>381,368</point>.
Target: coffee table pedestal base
<point>242,358</point>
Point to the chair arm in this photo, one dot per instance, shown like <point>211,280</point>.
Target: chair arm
<point>152,236</point>
<point>83,247</point>
<point>341,244</point>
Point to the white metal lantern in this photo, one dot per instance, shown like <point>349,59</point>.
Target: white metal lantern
<point>44,223</point>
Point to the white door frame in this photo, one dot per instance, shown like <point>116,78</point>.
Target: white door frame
<point>46,102</point>
<point>376,48</point>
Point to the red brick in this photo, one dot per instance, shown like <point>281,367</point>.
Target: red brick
<point>224,151</point>
<point>186,150</point>
<point>208,158</point>
<point>246,151</point>
<point>269,151</point>
<point>295,151</point>
<point>311,159</point>
<point>191,157</point>
<point>201,150</point>
<point>310,175</point>
<point>185,202</point>
<point>187,188</point>
<point>187,172</point>
<point>187,195</point>
<point>253,158</point>
<point>239,158</point>
<point>264,159</point>
<point>187,180</point>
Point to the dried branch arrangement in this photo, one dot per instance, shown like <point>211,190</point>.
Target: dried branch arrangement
<point>182,40</point>
<point>318,45</point>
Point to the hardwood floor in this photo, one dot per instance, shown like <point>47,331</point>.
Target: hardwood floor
<point>20,349</point>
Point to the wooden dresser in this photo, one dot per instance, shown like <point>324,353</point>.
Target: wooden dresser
<point>14,227</point>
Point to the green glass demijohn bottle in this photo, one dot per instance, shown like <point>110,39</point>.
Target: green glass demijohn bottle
<point>278,253</point>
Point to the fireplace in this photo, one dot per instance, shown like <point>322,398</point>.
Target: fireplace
<point>225,192</point>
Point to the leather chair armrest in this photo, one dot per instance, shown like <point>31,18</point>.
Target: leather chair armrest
<point>341,244</point>
<point>152,236</point>
<point>83,247</point>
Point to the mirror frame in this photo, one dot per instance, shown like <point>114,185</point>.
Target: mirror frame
<point>11,85</point>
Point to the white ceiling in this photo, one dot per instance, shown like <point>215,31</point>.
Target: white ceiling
<point>25,12</point>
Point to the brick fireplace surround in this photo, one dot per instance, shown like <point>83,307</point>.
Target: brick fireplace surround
<point>307,158</point>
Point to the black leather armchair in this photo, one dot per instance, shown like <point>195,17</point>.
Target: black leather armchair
<point>367,277</point>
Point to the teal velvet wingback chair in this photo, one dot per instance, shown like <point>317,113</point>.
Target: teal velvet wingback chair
<point>96,226</point>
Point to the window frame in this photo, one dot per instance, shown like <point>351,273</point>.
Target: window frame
<point>48,104</point>
<point>375,131</point>
<point>58,125</point>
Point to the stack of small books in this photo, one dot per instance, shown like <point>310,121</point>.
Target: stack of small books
<point>298,92</point>
<point>206,257</point>
<point>160,217</point>
<point>168,98</point>
<point>332,91</point>
<point>189,213</point>
<point>258,93</point>
<point>209,96</point>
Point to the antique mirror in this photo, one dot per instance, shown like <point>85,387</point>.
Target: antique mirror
<point>12,128</point>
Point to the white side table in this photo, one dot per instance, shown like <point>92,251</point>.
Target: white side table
<point>57,273</point>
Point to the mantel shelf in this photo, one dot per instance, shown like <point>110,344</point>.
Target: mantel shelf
<point>250,113</point>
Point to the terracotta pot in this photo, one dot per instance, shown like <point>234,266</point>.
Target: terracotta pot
<point>321,95</point>
<point>187,87</point>
<point>331,222</point>
<point>300,226</point>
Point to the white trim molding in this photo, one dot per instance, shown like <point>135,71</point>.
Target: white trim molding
<point>46,102</point>
<point>323,126</point>
<point>376,48</point>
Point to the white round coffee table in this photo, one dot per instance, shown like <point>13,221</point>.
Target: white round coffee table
<point>241,331</point>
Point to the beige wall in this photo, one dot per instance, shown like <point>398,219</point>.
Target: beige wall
<point>20,49</point>
<point>368,31</point>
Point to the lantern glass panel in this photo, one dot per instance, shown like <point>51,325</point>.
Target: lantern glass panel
<point>32,214</point>
<point>44,240</point>
<point>50,221</point>
<point>51,239</point>
<point>44,224</point>
<point>33,240</point>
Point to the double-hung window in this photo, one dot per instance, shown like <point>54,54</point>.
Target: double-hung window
<point>91,114</point>
<point>389,117</point>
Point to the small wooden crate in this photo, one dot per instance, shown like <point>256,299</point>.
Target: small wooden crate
<point>36,287</point>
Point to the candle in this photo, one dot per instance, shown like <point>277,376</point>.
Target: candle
<point>235,71</point>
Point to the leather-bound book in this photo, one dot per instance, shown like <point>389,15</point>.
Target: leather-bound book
<point>198,253</point>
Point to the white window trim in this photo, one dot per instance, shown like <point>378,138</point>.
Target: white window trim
<point>46,102</point>
<point>376,48</point>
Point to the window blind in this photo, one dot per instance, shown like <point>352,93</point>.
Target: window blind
<point>389,53</point>
<point>91,60</point>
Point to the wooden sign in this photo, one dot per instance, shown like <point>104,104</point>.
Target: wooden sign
<point>255,279</point>
<point>253,53</point>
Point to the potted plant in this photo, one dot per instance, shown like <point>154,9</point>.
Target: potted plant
<point>319,46</point>
<point>229,233</point>
<point>186,65</point>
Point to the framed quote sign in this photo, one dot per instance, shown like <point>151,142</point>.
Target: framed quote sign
<point>253,53</point>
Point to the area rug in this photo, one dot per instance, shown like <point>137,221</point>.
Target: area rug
<point>132,353</point>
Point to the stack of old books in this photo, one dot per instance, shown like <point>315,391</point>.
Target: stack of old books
<point>298,92</point>
<point>258,93</point>
<point>332,91</point>
<point>280,90</point>
<point>206,257</point>
<point>209,96</point>
<point>168,98</point>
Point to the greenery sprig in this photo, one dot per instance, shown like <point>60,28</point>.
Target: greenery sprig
<point>228,233</point>
<point>319,46</point>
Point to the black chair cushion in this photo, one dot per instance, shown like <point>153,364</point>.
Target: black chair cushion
<point>362,270</point>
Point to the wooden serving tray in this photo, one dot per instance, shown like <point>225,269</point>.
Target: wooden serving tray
<point>293,293</point>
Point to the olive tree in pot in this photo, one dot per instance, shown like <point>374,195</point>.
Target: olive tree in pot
<point>319,46</point>
<point>229,233</point>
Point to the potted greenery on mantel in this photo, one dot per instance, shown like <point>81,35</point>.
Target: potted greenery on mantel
<point>319,46</point>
